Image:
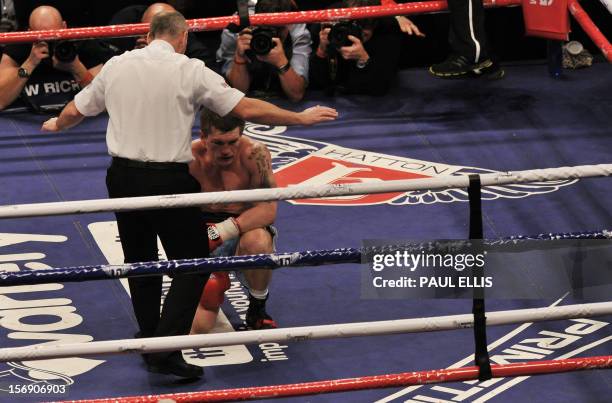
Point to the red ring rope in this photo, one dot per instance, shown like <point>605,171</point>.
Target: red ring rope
<point>218,23</point>
<point>388,8</point>
<point>376,381</point>
<point>590,28</point>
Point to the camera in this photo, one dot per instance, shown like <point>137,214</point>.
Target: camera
<point>64,51</point>
<point>261,41</point>
<point>339,33</point>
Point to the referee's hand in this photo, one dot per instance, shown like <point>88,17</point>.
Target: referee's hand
<point>318,114</point>
<point>50,126</point>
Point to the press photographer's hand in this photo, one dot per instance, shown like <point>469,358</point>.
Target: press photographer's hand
<point>243,42</point>
<point>69,67</point>
<point>354,52</point>
<point>276,57</point>
<point>141,42</point>
<point>408,27</point>
<point>323,41</point>
<point>40,51</point>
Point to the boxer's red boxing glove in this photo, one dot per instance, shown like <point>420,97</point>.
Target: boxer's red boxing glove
<point>212,296</point>
<point>221,232</point>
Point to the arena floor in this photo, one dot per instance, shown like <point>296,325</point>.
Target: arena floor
<point>425,127</point>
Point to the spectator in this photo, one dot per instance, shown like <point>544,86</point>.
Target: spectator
<point>361,56</point>
<point>142,13</point>
<point>8,20</point>
<point>468,42</point>
<point>281,70</point>
<point>47,74</point>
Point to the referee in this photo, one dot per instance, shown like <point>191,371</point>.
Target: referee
<point>152,95</point>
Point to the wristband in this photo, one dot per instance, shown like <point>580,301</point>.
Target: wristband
<point>361,64</point>
<point>238,62</point>
<point>87,78</point>
<point>228,229</point>
<point>283,69</point>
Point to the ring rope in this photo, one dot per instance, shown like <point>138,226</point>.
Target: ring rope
<point>405,379</point>
<point>227,263</point>
<point>374,382</point>
<point>295,334</point>
<point>298,192</point>
<point>219,23</point>
<point>183,266</point>
<point>590,28</point>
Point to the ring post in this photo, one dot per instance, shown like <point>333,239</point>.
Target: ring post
<point>481,355</point>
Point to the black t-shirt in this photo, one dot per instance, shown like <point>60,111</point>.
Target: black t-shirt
<point>384,49</point>
<point>47,86</point>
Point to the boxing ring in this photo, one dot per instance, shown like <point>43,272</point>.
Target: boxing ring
<point>68,333</point>
<point>386,9</point>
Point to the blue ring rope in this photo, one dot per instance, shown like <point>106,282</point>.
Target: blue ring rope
<point>209,265</point>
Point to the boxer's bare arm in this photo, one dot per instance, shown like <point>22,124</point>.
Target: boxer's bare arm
<point>195,166</point>
<point>258,162</point>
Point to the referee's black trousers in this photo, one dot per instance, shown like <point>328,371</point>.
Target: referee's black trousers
<point>182,236</point>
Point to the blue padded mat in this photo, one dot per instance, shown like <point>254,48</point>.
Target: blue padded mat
<point>424,128</point>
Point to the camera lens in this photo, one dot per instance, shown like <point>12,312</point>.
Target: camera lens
<point>261,40</point>
<point>64,51</point>
<point>339,33</point>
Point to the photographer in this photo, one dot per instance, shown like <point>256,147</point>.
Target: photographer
<point>356,57</point>
<point>141,13</point>
<point>47,73</point>
<point>8,20</point>
<point>267,59</point>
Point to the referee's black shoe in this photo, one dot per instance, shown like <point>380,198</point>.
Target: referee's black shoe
<point>174,365</point>
<point>457,66</point>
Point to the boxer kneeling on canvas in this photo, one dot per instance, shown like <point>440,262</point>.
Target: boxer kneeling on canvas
<point>225,159</point>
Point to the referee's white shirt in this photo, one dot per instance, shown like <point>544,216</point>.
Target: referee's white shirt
<point>152,95</point>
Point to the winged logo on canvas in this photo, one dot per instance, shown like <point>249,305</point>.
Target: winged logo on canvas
<point>307,162</point>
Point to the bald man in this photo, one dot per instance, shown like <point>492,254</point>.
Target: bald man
<point>141,13</point>
<point>148,15</point>
<point>38,78</point>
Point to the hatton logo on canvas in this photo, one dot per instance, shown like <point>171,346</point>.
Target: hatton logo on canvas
<point>306,162</point>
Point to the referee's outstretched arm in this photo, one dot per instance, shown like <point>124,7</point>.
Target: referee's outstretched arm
<point>258,111</point>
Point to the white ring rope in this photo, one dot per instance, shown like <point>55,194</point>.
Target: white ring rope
<point>298,192</point>
<point>294,334</point>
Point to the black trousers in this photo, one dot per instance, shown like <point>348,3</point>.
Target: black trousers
<point>181,233</point>
<point>467,35</point>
